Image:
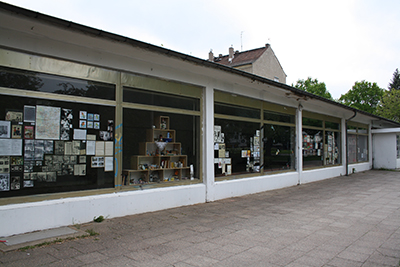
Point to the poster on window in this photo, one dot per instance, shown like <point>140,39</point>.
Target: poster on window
<point>4,182</point>
<point>66,123</point>
<point>29,113</point>
<point>5,129</point>
<point>47,122</point>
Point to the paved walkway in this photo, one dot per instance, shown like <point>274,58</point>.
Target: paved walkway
<point>345,221</point>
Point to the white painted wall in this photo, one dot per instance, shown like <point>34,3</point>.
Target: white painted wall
<point>33,216</point>
<point>384,149</point>
<point>319,174</point>
<point>252,185</point>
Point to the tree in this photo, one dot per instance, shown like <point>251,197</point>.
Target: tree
<point>390,105</point>
<point>364,96</point>
<point>395,82</point>
<point>314,87</point>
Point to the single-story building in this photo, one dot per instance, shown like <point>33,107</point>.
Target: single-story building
<point>93,123</point>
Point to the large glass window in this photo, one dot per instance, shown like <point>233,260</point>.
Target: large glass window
<point>49,146</point>
<point>321,140</point>
<point>160,147</point>
<point>252,136</point>
<point>279,146</point>
<point>41,82</point>
<point>357,142</point>
<point>398,145</point>
<point>237,147</point>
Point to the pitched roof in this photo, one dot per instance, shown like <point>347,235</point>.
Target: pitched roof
<point>242,58</point>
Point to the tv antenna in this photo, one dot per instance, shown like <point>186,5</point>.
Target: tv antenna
<point>241,41</point>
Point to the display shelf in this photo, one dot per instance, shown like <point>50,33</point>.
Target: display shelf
<point>156,164</point>
<point>164,135</point>
<point>151,149</point>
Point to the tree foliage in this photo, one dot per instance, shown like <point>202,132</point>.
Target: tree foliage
<point>364,96</point>
<point>395,82</point>
<point>313,86</point>
<point>390,105</point>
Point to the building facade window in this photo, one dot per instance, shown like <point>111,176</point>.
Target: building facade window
<point>251,137</point>
<point>357,142</point>
<point>278,138</point>
<point>398,145</point>
<point>161,132</point>
<point>50,143</point>
<point>321,140</point>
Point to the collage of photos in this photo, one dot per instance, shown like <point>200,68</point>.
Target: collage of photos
<point>44,144</point>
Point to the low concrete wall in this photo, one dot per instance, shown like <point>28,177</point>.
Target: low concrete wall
<point>33,216</point>
<point>246,186</point>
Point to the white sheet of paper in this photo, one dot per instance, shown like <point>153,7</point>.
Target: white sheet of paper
<point>100,148</point>
<point>10,147</point>
<point>108,164</point>
<point>109,148</point>
<point>90,147</point>
<point>79,134</point>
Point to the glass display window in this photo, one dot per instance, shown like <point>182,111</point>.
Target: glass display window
<point>49,146</point>
<point>321,140</point>
<point>237,147</point>
<point>160,148</point>
<point>161,132</point>
<point>357,142</point>
<point>398,146</point>
<point>279,147</point>
<point>48,83</point>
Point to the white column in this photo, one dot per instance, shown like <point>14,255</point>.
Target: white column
<point>299,142</point>
<point>344,145</point>
<point>208,143</point>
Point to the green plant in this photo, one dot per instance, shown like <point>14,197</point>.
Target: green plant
<point>98,219</point>
<point>91,232</point>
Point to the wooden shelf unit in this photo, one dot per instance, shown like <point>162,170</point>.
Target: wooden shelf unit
<point>153,165</point>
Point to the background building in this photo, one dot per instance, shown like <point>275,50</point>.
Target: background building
<point>260,61</point>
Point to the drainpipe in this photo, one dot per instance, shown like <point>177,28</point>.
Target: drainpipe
<point>347,146</point>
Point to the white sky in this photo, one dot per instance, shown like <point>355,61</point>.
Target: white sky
<point>337,42</point>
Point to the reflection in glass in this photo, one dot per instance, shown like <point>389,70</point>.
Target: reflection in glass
<point>133,95</point>
<point>279,144</point>
<point>237,151</point>
<point>313,148</point>
<point>41,82</point>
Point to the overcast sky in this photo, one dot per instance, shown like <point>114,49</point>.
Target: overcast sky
<point>337,42</point>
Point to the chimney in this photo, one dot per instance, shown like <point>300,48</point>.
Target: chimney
<point>230,53</point>
<point>211,55</point>
<point>267,45</point>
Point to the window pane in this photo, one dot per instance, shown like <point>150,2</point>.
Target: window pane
<point>279,145</point>
<point>237,147</point>
<point>54,155</point>
<point>220,108</point>
<point>139,96</point>
<point>312,122</point>
<point>275,116</point>
<point>362,148</point>
<point>313,149</point>
<point>351,129</point>
<point>352,148</point>
<point>40,82</point>
<point>332,148</point>
<point>332,125</point>
<point>398,146</point>
<point>362,130</point>
<point>150,163</point>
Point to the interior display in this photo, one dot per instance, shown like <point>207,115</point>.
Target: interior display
<point>221,157</point>
<point>160,158</point>
<point>5,129</point>
<point>237,147</point>
<point>47,150</point>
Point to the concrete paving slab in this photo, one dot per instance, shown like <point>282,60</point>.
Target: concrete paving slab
<point>344,221</point>
<point>34,238</point>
